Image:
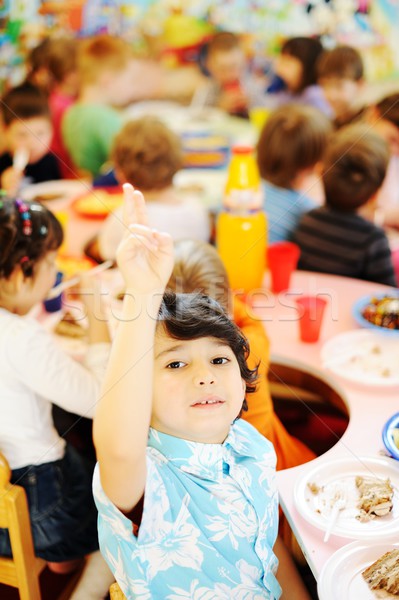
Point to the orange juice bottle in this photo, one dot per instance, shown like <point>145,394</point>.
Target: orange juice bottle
<point>241,231</point>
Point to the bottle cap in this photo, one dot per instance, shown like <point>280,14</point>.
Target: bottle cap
<point>242,149</point>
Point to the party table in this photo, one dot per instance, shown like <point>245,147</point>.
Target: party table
<point>369,407</point>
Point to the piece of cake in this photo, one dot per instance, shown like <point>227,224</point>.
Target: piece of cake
<point>375,497</point>
<point>69,327</point>
<point>383,574</point>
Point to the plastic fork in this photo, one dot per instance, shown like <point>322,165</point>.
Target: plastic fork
<point>20,159</point>
<point>339,504</point>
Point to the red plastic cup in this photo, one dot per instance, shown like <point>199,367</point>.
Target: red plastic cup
<point>310,317</point>
<point>282,259</point>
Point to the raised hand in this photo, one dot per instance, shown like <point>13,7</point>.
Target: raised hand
<point>144,256</point>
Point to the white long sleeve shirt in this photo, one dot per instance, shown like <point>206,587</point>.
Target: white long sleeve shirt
<point>34,373</point>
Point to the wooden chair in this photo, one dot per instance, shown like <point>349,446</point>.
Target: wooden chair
<point>23,570</point>
<point>116,593</point>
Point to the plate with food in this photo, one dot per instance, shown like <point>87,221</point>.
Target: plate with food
<point>379,312</point>
<point>47,191</point>
<point>71,265</point>
<point>98,203</point>
<point>361,571</point>
<point>363,356</point>
<point>390,436</point>
<point>370,488</point>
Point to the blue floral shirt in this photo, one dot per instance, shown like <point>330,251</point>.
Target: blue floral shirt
<point>209,521</point>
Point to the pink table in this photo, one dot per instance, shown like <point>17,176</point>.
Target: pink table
<point>369,407</point>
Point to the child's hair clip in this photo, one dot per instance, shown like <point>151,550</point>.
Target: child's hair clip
<point>24,260</point>
<point>25,215</point>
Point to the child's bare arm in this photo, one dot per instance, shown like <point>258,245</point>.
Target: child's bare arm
<point>288,576</point>
<point>121,424</point>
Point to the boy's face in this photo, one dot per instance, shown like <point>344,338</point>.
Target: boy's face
<point>289,68</point>
<point>198,389</point>
<point>34,134</point>
<point>340,93</point>
<point>226,67</point>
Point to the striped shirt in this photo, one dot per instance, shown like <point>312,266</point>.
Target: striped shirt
<point>344,244</point>
<point>284,209</point>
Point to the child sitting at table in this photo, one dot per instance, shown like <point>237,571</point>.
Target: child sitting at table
<point>147,154</point>
<point>34,373</point>
<point>340,75</point>
<point>62,67</point>
<point>89,126</point>
<point>335,238</point>
<point>27,131</point>
<point>295,67</point>
<point>230,86</point>
<point>185,489</point>
<point>199,268</point>
<point>289,151</point>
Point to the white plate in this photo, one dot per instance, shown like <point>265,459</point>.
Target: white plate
<point>341,577</point>
<point>207,184</point>
<point>363,356</point>
<point>341,473</point>
<point>65,189</point>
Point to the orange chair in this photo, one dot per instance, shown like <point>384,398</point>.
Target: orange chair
<point>23,569</point>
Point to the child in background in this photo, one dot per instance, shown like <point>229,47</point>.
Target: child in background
<point>34,373</point>
<point>198,268</point>
<point>27,133</point>
<point>185,489</point>
<point>340,74</point>
<point>148,154</point>
<point>62,66</point>
<point>231,86</point>
<point>37,67</point>
<point>89,126</point>
<point>289,149</point>
<point>296,67</point>
<point>336,238</point>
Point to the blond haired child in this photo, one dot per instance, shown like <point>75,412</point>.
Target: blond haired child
<point>89,126</point>
<point>184,488</point>
<point>198,268</point>
<point>336,238</point>
<point>147,154</point>
<point>289,149</point>
<point>34,374</point>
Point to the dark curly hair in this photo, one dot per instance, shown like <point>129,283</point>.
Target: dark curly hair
<point>193,316</point>
<point>19,248</point>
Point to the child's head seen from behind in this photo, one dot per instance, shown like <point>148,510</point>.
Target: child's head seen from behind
<point>225,58</point>
<point>30,236</point>
<point>296,64</point>
<point>354,167</point>
<point>147,154</point>
<point>104,66</point>
<point>26,120</point>
<point>291,144</point>
<point>340,73</point>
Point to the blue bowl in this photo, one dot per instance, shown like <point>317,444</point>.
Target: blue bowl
<point>387,436</point>
<point>361,304</point>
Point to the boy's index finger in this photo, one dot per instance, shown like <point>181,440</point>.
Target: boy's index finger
<point>134,208</point>
<point>129,210</point>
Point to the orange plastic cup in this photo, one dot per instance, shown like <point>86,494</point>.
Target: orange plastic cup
<point>310,317</point>
<point>282,259</point>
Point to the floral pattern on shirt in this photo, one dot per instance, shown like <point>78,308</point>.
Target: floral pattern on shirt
<point>209,521</point>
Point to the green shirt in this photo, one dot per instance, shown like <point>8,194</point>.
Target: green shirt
<point>88,131</point>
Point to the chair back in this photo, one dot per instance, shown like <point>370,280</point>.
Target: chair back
<point>116,593</point>
<point>23,569</point>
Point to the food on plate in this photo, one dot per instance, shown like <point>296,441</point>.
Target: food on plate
<point>70,327</point>
<point>71,265</point>
<point>395,435</point>
<point>383,574</point>
<point>98,203</point>
<point>383,312</point>
<point>375,497</point>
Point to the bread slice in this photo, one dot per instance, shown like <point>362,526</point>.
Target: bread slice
<point>383,574</point>
<point>69,327</point>
<point>375,497</point>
